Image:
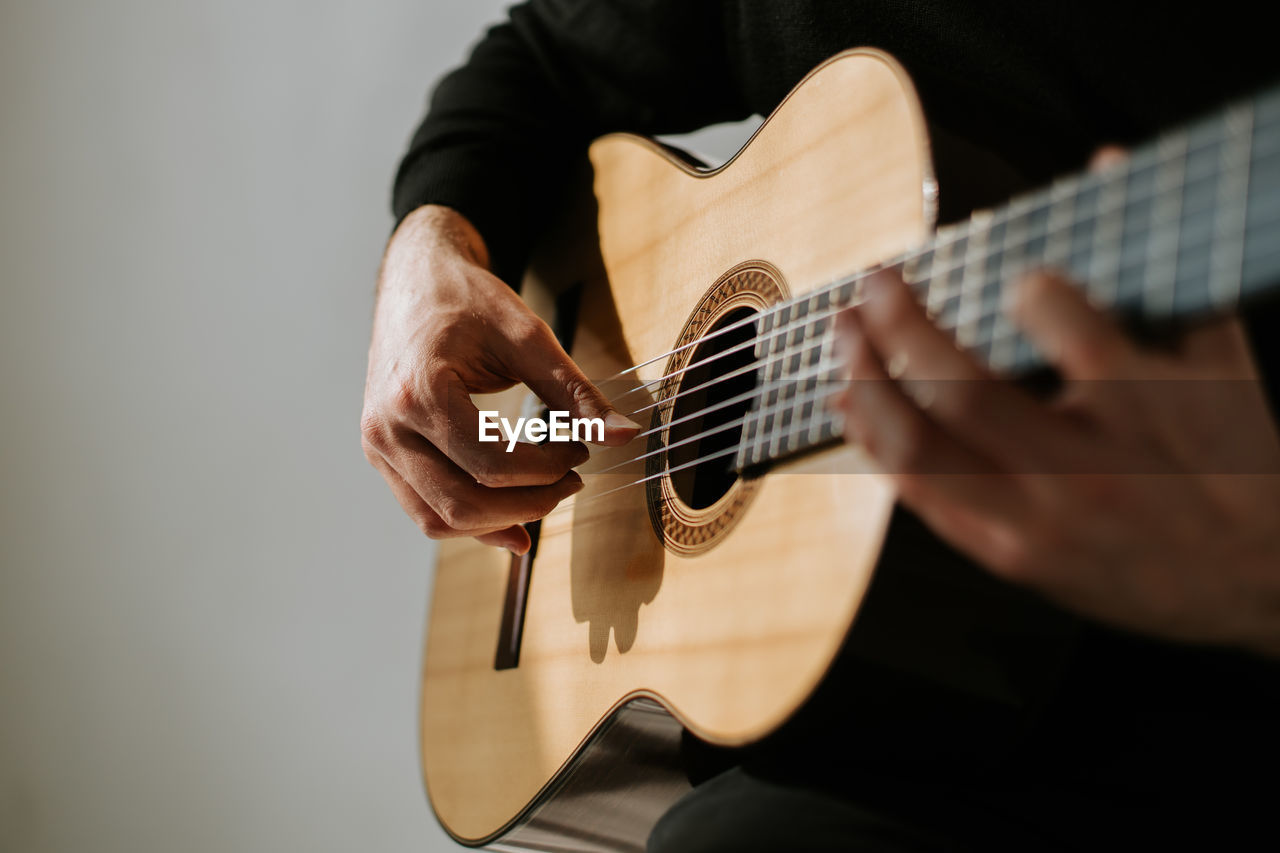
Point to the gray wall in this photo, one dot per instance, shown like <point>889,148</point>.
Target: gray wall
<point>210,606</point>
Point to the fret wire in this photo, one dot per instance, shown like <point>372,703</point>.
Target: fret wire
<point>1166,212</point>
<point>992,309</point>
<point>1143,158</point>
<point>1260,266</point>
<point>764,344</point>
<point>1100,250</point>
<point>768,384</point>
<point>976,245</point>
<point>1061,209</point>
<point>1213,237</point>
<point>916,270</point>
<point>795,357</point>
<point>778,346</point>
<point>942,252</point>
<point>788,402</point>
<point>825,351</point>
<point>1003,275</point>
<point>752,367</point>
<point>666,471</point>
<point>1109,182</point>
<point>719,428</point>
<point>1135,230</point>
<point>1018,205</point>
<point>779,340</point>
<point>1112,208</point>
<point>824,365</point>
<point>1272,220</point>
<point>821,327</point>
<point>800,361</point>
<point>828,370</point>
<point>1226,258</point>
<point>1008,240</point>
<point>992,287</point>
<point>813,345</point>
<point>1206,143</point>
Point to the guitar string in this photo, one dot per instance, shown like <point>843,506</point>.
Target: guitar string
<point>1004,332</point>
<point>799,351</point>
<point>1029,201</point>
<point>720,454</point>
<point>803,426</point>
<point>754,395</point>
<point>942,290</point>
<point>810,321</point>
<point>818,371</point>
<point>809,343</point>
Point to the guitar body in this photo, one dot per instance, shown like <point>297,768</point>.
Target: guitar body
<point>725,611</point>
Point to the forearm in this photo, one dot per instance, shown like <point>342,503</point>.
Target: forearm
<point>504,131</point>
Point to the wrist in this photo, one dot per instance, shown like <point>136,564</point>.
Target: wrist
<point>441,231</point>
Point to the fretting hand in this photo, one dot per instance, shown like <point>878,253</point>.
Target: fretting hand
<point>1146,494</point>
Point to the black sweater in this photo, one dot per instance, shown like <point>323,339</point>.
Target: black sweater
<point>1039,84</point>
<point>1126,724</point>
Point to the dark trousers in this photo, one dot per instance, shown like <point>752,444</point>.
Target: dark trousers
<point>740,812</point>
<point>737,811</point>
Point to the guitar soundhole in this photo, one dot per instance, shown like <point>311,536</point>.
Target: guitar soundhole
<point>706,426</point>
<point>695,497</point>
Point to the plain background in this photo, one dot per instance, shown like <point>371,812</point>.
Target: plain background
<point>210,606</point>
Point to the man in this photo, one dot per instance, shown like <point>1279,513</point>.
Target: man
<point>1161,718</point>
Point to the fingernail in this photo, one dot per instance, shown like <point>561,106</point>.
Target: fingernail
<point>619,421</point>
<point>896,366</point>
<point>513,549</point>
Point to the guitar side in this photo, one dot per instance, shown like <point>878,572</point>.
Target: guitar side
<point>729,639</point>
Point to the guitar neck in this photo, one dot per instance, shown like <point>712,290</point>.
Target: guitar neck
<point>1188,225</point>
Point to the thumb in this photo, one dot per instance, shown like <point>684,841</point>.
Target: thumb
<point>549,372</point>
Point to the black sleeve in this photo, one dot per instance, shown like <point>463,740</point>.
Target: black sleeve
<point>504,130</point>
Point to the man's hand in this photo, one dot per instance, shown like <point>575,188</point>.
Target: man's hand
<point>445,328</point>
<point>1146,494</point>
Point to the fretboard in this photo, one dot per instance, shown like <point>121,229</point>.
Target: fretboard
<point>1187,226</point>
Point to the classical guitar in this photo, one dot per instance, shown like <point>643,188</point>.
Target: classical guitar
<point>710,571</point>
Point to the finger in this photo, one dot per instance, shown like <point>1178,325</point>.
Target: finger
<point>538,360</point>
<point>463,503</point>
<point>513,538</point>
<point>1219,350</point>
<point>959,495</point>
<point>1215,415</point>
<point>932,471</point>
<point>1108,376</point>
<point>1107,157</point>
<point>1073,335</point>
<point>986,413</point>
<point>898,328</point>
